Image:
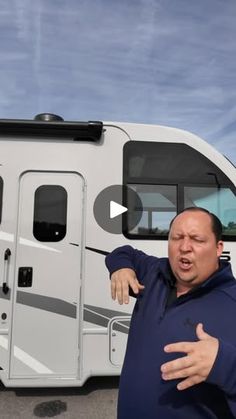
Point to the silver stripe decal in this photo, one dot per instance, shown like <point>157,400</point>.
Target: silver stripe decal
<point>25,358</point>
<point>6,236</point>
<point>32,243</point>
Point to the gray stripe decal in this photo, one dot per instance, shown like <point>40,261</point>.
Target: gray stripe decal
<point>94,318</point>
<point>54,305</point>
<point>92,314</point>
<point>101,316</point>
<point>122,326</point>
<point>106,312</point>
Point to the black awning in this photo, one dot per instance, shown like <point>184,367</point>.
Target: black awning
<point>76,131</point>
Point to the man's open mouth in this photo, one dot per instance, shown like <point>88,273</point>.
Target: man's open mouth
<point>185,263</point>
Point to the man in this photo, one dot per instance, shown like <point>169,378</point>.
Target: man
<point>181,353</point>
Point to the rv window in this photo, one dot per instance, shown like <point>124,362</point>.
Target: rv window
<point>219,200</point>
<point>1,192</point>
<point>159,204</point>
<point>169,177</point>
<point>50,210</point>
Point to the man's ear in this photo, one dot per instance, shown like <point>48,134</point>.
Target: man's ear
<point>219,248</point>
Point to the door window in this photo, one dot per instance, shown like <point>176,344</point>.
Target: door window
<point>50,211</point>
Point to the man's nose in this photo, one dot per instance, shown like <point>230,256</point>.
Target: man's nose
<point>185,245</point>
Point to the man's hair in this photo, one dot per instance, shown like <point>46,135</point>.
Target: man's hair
<point>215,222</point>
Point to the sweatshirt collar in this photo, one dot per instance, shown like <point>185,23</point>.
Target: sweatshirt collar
<point>219,279</point>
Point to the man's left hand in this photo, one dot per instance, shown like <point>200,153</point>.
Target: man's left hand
<point>198,362</point>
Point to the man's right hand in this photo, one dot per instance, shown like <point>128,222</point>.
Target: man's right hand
<point>121,280</point>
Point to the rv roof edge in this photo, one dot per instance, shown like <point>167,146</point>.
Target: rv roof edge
<point>53,128</point>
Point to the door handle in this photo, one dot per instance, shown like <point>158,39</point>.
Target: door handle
<point>5,287</point>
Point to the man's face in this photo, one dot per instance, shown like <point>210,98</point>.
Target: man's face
<point>193,250</point>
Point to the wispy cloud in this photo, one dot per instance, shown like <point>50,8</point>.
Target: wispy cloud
<point>168,61</point>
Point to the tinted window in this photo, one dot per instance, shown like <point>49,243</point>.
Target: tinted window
<point>159,204</point>
<point>169,177</point>
<point>50,210</point>
<point>164,163</point>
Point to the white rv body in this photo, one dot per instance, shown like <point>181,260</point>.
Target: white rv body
<point>60,326</point>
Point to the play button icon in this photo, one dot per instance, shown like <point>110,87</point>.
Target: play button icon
<point>117,209</point>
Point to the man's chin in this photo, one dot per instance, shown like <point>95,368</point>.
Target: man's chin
<point>186,279</point>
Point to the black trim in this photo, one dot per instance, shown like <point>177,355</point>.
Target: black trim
<point>78,131</point>
<point>101,252</point>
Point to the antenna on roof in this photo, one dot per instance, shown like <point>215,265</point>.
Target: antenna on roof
<point>48,117</point>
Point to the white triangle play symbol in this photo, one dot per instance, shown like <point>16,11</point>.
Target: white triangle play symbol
<point>116,209</point>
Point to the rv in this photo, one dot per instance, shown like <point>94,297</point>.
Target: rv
<point>58,323</point>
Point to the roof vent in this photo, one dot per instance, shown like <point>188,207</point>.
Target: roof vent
<point>48,117</point>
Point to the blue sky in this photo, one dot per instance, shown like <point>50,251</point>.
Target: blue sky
<point>170,62</point>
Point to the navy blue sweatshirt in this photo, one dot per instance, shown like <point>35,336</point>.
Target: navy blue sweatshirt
<point>143,394</point>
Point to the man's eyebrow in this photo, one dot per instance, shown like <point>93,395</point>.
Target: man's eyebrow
<point>176,234</point>
<point>194,234</point>
<point>198,235</point>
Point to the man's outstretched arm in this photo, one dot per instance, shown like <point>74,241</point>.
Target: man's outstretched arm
<point>127,267</point>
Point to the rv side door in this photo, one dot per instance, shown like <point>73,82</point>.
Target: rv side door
<point>45,332</point>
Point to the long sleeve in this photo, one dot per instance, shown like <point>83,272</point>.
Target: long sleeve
<point>128,257</point>
<point>223,373</point>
